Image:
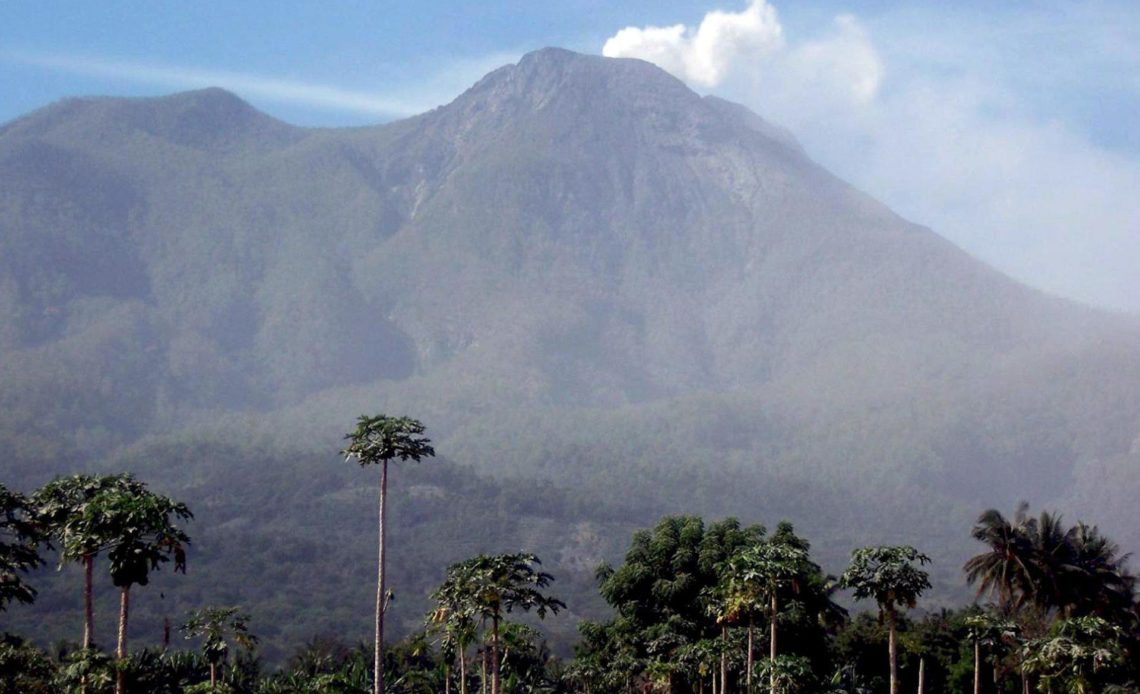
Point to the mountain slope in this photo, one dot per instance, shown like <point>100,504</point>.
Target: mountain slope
<point>579,271</point>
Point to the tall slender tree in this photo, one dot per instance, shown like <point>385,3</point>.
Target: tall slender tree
<point>143,534</point>
<point>893,577</point>
<point>380,439</point>
<point>62,507</point>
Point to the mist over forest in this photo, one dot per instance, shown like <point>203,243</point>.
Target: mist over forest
<point>609,300</point>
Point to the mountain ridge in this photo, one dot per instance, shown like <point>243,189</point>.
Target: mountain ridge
<point>578,272</point>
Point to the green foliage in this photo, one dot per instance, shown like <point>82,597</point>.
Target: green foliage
<point>1038,562</point>
<point>142,531</point>
<point>217,627</point>
<point>789,674</point>
<point>381,438</point>
<point>24,669</point>
<point>1078,655</point>
<point>66,508</point>
<point>887,575</point>
<point>20,536</point>
<point>487,586</point>
<point>89,667</point>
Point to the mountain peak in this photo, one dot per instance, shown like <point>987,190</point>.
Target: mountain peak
<point>201,119</point>
<point>556,73</point>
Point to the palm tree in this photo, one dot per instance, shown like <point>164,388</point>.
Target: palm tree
<point>62,510</point>
<point>889,575</point>
<point>142,536</point>
<point>1098,582</point>
<point>218,626</point>
<point>498,584</point>
<point>1052,552</point>
<point>380,439</point>
<point>19,547</point>
<point>1007,569</point>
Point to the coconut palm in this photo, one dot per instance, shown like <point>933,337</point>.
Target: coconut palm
<point>1053,562</point>
<point>378,440</point>
<point>890,576</point>
<point>1007,570</point>
<point>1098,582</point>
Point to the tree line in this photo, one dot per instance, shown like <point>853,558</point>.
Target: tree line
<point>695,607</point>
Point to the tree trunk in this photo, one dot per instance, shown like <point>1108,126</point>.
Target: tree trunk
<point>462,671</point>
<point>723,658</point>
<point>495,655</point>
<point>892,647</point>
<point>921,675</point>
<point>977,666</point>
<point>213,677</point>
<point>378,652</point>
<point>121,646</point>
<point>446,679</point>
<point>772,613</point>
<point>749,659</point>
<point>483,665</point>
<point>88,604</point>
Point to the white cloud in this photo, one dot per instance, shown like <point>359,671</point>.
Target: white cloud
<point>703,55</point>
<point>921,114</point>
<point>250,85</point>
<point>845,62</point>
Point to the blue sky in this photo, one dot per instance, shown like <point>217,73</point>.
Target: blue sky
<point>1009,127</point>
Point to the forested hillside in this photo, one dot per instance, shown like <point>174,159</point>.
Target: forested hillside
<point>607,297</point>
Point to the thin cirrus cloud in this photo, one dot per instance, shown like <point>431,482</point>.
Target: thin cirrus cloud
<point>938,129</point>
<point>307,94</point>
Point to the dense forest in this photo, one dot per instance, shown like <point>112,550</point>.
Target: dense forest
<point>694,606</point>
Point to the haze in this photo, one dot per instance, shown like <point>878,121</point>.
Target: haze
<point>1009,129</point>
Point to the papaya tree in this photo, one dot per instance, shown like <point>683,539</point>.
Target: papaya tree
<point>890,576</point>
<point>753,581</point>
<point>492,586</point>
<point>453,619</point>
<point>377,440</point>
<point>143,535</point>
<point>218,627</point>
<point>62,510</point>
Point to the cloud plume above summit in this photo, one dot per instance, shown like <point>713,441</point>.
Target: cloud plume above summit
<point>929,111</point>
<point>703,55</point>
